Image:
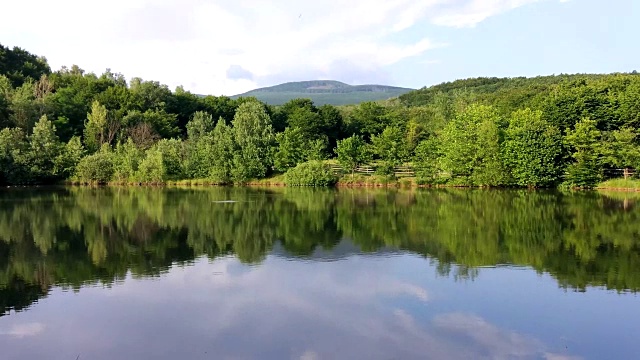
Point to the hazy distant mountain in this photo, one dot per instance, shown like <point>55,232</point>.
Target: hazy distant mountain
<point>324,92</point>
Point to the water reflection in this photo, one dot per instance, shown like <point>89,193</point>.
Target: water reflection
<point>226,310</point>
<point>77,236</point>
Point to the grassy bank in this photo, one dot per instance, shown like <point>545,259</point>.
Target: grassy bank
<point>620,184</point>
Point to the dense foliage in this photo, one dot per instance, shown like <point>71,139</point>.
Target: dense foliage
<point>531,132</point>
<point>311,173</point>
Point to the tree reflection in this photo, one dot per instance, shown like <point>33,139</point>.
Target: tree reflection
<point>72,237</point>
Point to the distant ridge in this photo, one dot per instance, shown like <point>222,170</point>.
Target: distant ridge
<point>324,92</point>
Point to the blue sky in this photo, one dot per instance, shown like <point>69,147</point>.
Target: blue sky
<point>231,46</point>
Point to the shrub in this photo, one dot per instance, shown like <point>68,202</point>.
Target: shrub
<point>95,169</point>
<point>310,173</point>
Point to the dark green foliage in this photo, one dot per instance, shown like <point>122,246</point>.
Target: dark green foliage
<point>19,65</point>
<point>585,142</point>
<point>310,173</point>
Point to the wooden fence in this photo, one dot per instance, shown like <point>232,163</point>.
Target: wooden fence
<point>399,171</point>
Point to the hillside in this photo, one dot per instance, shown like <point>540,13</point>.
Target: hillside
<point>509,93</point>
<point>324,92</point>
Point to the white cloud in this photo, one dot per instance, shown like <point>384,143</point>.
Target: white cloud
<point>195,42</point>
<point>24,330</point>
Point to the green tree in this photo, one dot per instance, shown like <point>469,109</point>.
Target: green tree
<point>352,152</point>
<point>425,161</point>
<point>533,149</point>
<point>44,148</point>
<point>152,168</point>
<point>253,135</point>
<point>96,168</point>
<point>222,152</point>
<point>70,156</point>
<point>23,110</point>
<point>95,130</point>
<point>199,160</point>
<point>470,146</point>
<point>621,149</point>
<point>391,148</point>
<point>12,143</point>
<point>291,149</point>
<point>585,141</point>
<point>126,160</point>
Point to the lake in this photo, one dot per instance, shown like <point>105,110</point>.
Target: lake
<point>283,273</point>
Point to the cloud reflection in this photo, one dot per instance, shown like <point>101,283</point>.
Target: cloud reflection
<point>358,308</point>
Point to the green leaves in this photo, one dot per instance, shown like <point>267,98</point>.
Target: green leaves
<point>585,140</point>
<point>391,147</point>
<point>352,152</point>
<point>254,138</point>
<point>533,149</point>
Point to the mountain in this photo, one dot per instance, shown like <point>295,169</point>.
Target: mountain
<point>324,92</point>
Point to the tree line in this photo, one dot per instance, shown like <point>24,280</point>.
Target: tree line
<point>69,125</point>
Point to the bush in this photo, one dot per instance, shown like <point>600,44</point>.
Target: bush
<point>95,169</point>
<point>310,173</point>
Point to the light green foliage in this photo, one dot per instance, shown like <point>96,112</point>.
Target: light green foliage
<point>95,130</point>
<point>253,135</point>
<point>391,148</point>
<point>317,149</point>
<point>425,161</point>
<point>96,168</point>
<point>152,168</point>
<point>222,152</point>
<point>292,148</point>
<point>200,125</point>
<point>352,152</point>
<point>585,140</point>
<point>532,149</point>
<point>44,148</point>
<point>172,151</point>
<point>311,173</point>
<point>23,108</point>
<point>127,158</point>
<point>199,156</point>
<point>70,156</point>
<point>470,146</point>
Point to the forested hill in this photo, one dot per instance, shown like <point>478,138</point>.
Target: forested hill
<point>324,92</point>
<point>516,92</point>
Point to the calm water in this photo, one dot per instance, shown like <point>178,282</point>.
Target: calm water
<point>229,273</point>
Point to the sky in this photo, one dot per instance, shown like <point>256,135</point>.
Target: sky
<point>226,47</point>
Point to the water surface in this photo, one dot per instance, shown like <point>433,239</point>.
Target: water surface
<point>229,273</point>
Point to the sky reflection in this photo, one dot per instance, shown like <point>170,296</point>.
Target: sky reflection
<point>360,307</point>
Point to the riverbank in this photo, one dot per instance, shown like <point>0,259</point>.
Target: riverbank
<point>357,180</point>
<point>620,185</point>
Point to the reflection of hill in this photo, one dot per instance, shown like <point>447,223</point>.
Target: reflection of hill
<point>77,236</point>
